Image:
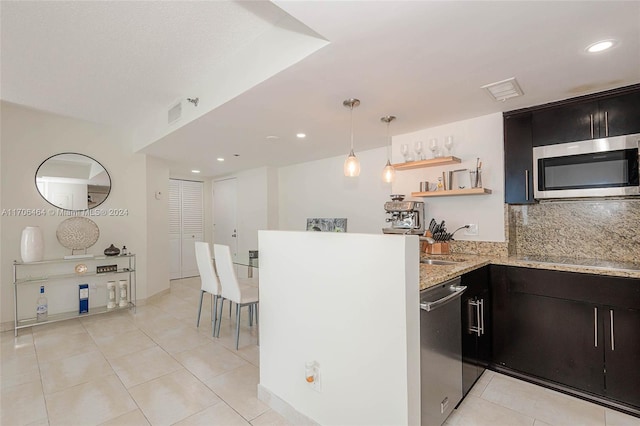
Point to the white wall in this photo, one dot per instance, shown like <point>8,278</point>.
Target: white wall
<point>320,189</point>
<point>477,137</point>
<point>157,225</point>
<point>356,314</point>
<point>28,137</point>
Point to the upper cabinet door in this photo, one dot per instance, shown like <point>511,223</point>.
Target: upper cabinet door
<point>518,159</point>
<point>620,115</point>
<point>568,123</point>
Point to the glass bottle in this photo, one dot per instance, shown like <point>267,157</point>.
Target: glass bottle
<point>42,306</point>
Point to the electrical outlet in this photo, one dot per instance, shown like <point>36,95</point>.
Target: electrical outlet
<point>472,229</point>
<point>312,375</point>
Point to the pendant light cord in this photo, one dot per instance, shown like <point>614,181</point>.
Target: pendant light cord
<point>352,127</point>
<point>389,145</point>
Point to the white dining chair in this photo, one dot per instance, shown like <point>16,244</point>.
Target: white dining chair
<point>242,296</point>
<point>210,283</point>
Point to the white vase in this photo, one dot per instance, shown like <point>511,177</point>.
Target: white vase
<point>32,244</point>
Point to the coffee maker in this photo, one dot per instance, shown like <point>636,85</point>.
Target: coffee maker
<point>407,217</point>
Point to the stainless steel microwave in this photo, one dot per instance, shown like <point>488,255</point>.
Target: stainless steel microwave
<point>593,168</point>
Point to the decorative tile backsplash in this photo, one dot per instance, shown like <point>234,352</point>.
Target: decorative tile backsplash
<point>603,229</point>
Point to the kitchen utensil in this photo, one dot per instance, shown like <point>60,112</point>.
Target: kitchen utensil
<point>432,225</point>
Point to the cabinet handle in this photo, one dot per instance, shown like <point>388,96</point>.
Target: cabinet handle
<point>606,123</point>
<point>470,315</point>
<point>476,329</point>
<point>526,184</point>
<point>613,344</point>
<point>481,301</point>
<point>591,118</point>
<point>595,326</point>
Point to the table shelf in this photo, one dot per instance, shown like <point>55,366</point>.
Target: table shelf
<point>453,192</point>
<point>63,316</point>
<point>432,162</point>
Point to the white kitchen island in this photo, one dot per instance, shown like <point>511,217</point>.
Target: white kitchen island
<point>349,302</point>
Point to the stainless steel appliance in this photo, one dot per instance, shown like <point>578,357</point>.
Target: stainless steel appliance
<point>593,168</point>
<point>406,217</point>
<point>440,351</point>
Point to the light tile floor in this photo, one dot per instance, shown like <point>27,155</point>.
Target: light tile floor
<point>156,367</point>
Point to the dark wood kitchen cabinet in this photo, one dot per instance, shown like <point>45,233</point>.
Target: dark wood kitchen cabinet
<point>601,115</point>
<point>518,159</point>
<point>577,331</point>
<point>476,326</point>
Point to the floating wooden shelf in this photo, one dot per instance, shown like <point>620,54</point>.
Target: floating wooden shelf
<point>442,161</point>
<point>453,192</point>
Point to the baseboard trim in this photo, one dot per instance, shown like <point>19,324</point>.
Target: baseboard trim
<point>633,411</point>
<point>283,408</point>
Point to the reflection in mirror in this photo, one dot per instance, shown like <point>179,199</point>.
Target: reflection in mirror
<point>73,181</point>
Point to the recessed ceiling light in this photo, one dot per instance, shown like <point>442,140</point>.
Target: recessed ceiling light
<point>599,46</point>
<point>195,171</point>
<point>220,159</point>
<point>301,135</point>
<point>272,137</point>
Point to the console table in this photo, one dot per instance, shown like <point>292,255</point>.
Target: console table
<point>62,287</point>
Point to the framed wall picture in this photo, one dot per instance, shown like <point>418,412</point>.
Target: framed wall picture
<point>327,224</point>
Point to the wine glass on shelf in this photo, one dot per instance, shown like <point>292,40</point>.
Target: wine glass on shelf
<point>433,146</point>
<point>404,149</point>
<point>448,143</point>
<point>419,149</point>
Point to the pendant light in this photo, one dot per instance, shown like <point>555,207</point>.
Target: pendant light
<point>351,164</point>
<point>388,173</point>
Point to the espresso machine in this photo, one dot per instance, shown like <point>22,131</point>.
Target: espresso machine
<point>406,217</point>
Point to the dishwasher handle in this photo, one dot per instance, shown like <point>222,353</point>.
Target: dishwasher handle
<point>456,292</point>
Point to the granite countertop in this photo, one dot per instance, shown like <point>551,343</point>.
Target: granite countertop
<point>431,275</point>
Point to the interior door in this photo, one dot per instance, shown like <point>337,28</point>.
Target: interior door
<point>186,226</point>
<point>225,200</point>
<point>192,225</point>
<point>175,225</point>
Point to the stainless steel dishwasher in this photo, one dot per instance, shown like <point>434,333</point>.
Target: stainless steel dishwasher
<point>440,351</point>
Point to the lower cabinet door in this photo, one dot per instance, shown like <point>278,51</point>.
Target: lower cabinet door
<point>622,354</point>
<point>556,339</point>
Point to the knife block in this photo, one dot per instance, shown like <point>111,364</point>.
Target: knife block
<point>438,248</point>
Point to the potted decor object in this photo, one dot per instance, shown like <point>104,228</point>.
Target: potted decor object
<point>112,251</point>
<point>32,244</point>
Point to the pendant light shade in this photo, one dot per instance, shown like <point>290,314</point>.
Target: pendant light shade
<point>351,164</point>
<point>388,173</point>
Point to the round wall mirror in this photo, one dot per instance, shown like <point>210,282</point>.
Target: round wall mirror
<point>73,181</point>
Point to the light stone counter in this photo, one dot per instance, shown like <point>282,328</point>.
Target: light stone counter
<point>431,275</point>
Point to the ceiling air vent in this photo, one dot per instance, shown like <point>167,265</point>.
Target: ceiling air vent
<point>175,113</point>
<point>503,90</point>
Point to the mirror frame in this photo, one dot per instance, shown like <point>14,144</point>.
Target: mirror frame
<point>35,179</point>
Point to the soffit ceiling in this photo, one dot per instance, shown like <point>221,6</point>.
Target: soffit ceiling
<point>125,63</point>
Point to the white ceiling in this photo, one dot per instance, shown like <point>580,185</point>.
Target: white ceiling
<point>125,63</point>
